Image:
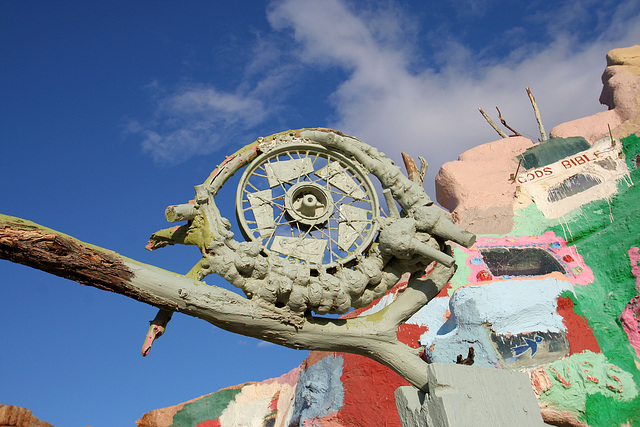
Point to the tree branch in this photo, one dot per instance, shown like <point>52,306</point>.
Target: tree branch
<point>420,290</point>
<point>504,123</point>
<point>373,336</point>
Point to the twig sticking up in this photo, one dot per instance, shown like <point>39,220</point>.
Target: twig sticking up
<point>613,143</point>
<point>493,125</point>
<point>513,176</point>
<point>543,134</point>
<point>423,167</point>
<point>413,173</point>
<point>504,123</point>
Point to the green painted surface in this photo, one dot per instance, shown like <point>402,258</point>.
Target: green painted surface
<point>530,221</point>
<point>604,246</point>
<point>578,377</point>
<point>209,407</point>
<point>460,278</point>
<point>603,413</point>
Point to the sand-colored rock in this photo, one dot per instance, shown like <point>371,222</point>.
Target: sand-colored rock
<point>15,416</point>
<point>477,189</point>
<point>621,93</point>
<point>625,56</point>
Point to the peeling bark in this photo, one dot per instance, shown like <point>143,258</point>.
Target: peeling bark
<point>26,243</point>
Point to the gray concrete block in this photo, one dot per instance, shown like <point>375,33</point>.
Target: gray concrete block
<point>461,396</point>
<point>409,401</point>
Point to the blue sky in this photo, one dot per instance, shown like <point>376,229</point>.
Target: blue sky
<point>113,110</point>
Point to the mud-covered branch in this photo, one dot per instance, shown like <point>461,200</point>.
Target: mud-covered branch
<point>280,294</point>
<point>374,336</point>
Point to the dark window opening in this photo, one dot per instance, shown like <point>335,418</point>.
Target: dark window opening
<point>520,262</point>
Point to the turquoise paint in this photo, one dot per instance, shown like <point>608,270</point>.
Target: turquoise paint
<point>462,271</point>
<point>552,150</point>
<point>497,307</point>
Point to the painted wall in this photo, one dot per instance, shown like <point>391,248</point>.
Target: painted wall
<point>556,294</point>
<point>555,307</point>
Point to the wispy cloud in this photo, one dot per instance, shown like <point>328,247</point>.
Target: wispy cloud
<point>196,119</point>
<point>201,118</point>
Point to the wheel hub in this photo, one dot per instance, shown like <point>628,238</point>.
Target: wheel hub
<point>308,203</point>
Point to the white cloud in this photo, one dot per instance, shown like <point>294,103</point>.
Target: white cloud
<point>433,111</point>
<point>400,92</point>
<point>196,120</point>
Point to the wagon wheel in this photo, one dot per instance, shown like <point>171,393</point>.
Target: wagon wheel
<point>304,202</point>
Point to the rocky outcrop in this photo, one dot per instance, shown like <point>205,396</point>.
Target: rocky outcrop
<point>15,416</point>
<point>621,93</point>
<point>477,188</point>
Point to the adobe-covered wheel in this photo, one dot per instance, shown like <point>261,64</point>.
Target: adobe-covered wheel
<point>305,202</point>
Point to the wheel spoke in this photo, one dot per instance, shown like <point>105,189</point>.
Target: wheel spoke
<point>295,214</point>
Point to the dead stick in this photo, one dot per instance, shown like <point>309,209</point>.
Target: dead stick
<point>412,170</point>
<point>613,143</point>
<point>543,134</point>
<point>514,176</point>
<point>504,123</point>
<point>493,125</point>
<point>423,168</point>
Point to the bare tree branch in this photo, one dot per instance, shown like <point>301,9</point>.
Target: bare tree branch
<point>281,291</point>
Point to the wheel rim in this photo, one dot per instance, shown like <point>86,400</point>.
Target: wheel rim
<point>304,202</point>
